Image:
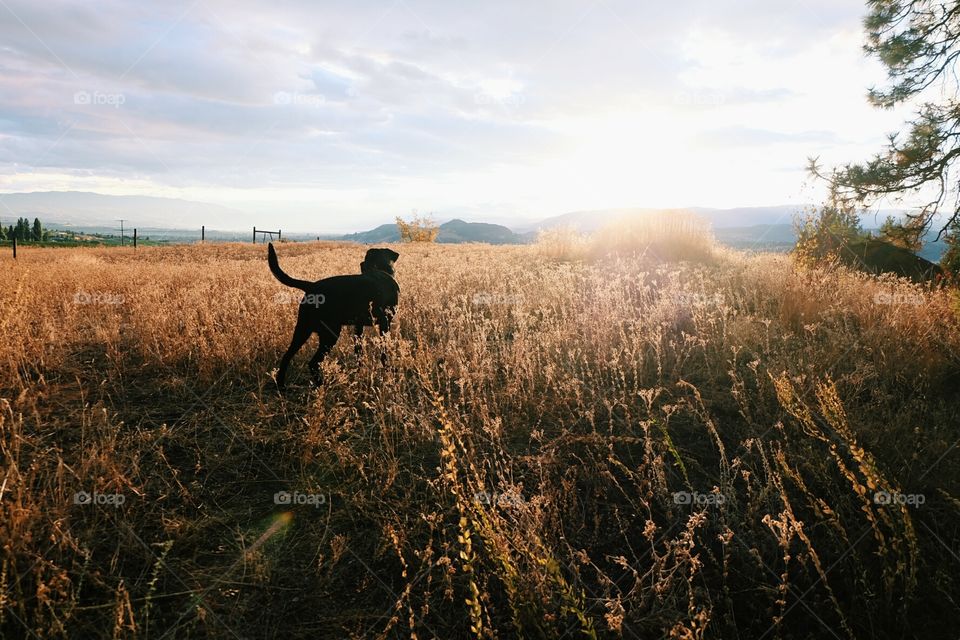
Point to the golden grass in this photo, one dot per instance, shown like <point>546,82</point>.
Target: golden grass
<point>629,445</point>
<point>661,236</point>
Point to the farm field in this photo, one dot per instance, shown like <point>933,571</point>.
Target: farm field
<point>623,446</point>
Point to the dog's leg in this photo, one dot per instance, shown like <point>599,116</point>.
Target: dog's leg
<point>328,333</point>
<point>300,335</point>
<point>383,325</point>
<point>358,339</point>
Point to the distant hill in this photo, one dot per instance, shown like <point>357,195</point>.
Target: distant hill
<point>177,220</point>
<point>460,231</point>
<point>781,237</point>
<point>933,249</point>
<point>758,237</point>
<point>383,233</point>
<point>452,232</point>
<point>718,218</point>
<point>75,209</point>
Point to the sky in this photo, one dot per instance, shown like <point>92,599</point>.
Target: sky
<point>343,115</point>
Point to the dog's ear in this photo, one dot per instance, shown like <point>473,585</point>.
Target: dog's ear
<point>393,254</point>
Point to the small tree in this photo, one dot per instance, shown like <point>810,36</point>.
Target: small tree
<point>418,229</point>
<point>823,233</point>
<point>950,261</point>
<point>37,232</point>
<point>900,234</point>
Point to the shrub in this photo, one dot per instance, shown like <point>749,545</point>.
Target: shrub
<point>418,229</point>
<point>824,233</point>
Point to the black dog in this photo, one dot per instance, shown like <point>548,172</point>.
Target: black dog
<point>329,304</point>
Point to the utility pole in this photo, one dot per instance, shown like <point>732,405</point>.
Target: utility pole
<point>121,231</point>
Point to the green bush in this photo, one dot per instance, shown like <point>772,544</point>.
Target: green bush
<point>824,233</point>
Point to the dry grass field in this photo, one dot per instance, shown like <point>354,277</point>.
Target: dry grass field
<point>636,446</point>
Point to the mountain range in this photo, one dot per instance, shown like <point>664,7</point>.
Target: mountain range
<point>453,231</point>
<point>743,220</point>
<point>75,209</point>
<point>761,228</point>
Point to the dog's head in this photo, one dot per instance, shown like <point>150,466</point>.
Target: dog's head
<point>379,260</point>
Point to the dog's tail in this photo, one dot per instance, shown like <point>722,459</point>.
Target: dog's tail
<point>279,274</point>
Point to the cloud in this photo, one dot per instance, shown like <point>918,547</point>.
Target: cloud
<point>425,99</point>
<point>728,137</point>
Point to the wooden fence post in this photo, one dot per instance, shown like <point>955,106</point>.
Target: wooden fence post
<point>14,247</point>
<point>279,235</point>
<point>203,233</point>
<point>134,237</point>
<point>254,235</point>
